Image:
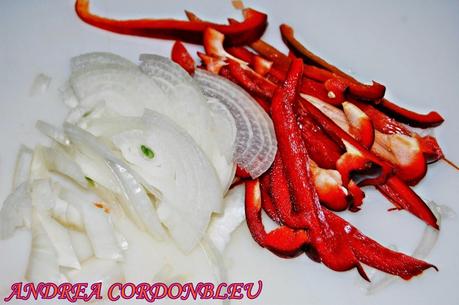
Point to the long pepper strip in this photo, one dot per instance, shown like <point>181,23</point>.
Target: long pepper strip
<point>241,33</point>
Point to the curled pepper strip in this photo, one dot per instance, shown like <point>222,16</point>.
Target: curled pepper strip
<point>283,241</point>
<point>241,33</point>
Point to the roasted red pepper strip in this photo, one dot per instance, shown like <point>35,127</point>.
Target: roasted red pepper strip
<point>181,56</point>
<point>241,33</point>
<point>321,148</point>
<point>266,202</point>
<point>368,92</point>
<point>409,117</point>
<point>377,256</point>
<point>333,251</point>
<point>403,197</point>
<point>282,241</point>
<point>364,248</point>
<point>251,81</point>
<point>406,116</point>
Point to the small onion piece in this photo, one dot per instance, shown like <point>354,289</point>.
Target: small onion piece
<point>22,169</point>
<point>99,58</point>
<point>256,143</point>
<point>52,132</point>
<point>16,211</point>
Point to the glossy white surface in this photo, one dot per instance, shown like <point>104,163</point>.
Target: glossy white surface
<point>409,46</point>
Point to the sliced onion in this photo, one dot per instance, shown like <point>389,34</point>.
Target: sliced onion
<point>43,263</point>
<point>15,256</point>
<point>223,225</point>
<point>335,114</point>
<point>96,270</point>
<point>188,183</point>
<point>53,132</point>
<point>60,239</point>
<point>187,107</point>
<point>40,84</point>
<point>23,164</point>
<point>125,91</point>
<point>137,202</point>
<point>67,215</point>
<point>135,195</point>
<point>16,211</point>
<point>57,160</point>
<point>99,58</point>
<point>101,233</point>
<point>256,143</point>
<point>81,244</point>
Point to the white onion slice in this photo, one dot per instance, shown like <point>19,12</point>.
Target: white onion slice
<point>23,164</point>
<point>15,256</point>
<point>81,244</point>
<point>125,91</point>
<point>137,202</point>
<point>16,211</point>
<point>53,132</point>
<point>99,58</point>
<point>188,107</point>
<point>136,196</point>
<point>256,143</point>
<point>60,239</point>
<point>40,84</point>
<point>43,263</point>
<point>223,225</point>
<point>59,161</point>
<point>67,215</point>
<point>101,233</point>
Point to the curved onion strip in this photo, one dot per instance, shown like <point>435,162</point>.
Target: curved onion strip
<point>57,160</point>
<point>60,239</point>
<point>188,203</point>
<point>22,168</point>
<point>135,194</point>
<point>129,183</point>
<point>16,211</point>
<point>256,143</point>
<point>99,58</point>
<point>52,132</point>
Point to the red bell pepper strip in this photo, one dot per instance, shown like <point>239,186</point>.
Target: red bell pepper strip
<point>409,117</point>
<point>367,92</point>
<point>404,115</point>
<point>181,56</point>
<point>280,60</point>
<point>242,33</point>
<point>251,81</point>
<point>241,53</point>
<point>318,90</point>
<point>321,148</point>
<point>403,197</point>
<point>242,173</point>
<point>375,255</point>
<point>282,241</point>
<point>266,202</point>
<point>333,251</point>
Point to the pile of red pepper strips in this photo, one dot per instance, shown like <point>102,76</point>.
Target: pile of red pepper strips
<point>321,163</point>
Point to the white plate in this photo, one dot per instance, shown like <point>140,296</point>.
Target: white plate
<point>411,47</point>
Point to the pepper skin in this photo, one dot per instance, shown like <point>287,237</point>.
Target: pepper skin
<point>181,56</point>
